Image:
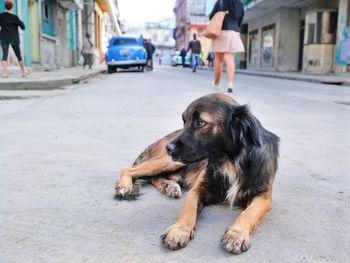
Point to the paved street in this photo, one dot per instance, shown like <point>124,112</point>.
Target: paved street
<point>61,152</point>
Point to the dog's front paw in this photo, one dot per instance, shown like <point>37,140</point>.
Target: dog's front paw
<point>176,237</point>
<point>124,188</point>
<point>235,241</point>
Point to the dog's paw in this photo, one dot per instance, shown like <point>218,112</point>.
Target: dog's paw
<point>173,190</point>
<point>124,189</point>
<point>235,241</point>
<point>176,237</point>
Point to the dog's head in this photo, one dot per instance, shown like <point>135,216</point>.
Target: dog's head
<point>214,126</point>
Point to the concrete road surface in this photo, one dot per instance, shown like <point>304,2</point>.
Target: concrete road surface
<point>61,152</point>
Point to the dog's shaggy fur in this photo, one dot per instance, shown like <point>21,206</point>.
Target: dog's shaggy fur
<point>222,154</point>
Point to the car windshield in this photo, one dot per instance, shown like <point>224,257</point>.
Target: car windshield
<point>124,41</point>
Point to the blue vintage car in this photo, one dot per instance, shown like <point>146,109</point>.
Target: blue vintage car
<point>125,52</point>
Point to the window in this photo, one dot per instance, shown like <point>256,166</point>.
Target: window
<point>321,27</point>
<point>268,35</point>
<point>253,48</point>
<point>47,18</point>
<point>46,11</point>
<point>124,41</point>
<point>311,33</point>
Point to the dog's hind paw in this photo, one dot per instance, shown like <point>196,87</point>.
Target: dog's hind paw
<point>235,241</point>
<point>173,189</point>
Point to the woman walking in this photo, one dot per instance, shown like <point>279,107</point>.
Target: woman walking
<point>9,24</point>
<point>88,51</point>
<point>228,42</point>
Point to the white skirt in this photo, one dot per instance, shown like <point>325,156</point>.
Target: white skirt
<point>228,41</point>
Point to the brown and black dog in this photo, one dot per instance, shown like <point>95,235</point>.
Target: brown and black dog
<point>221,154</point>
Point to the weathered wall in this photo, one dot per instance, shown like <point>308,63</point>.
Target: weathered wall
<point>343,38</point>
<point>34,32</point>
<point>48,52</point>
<point>288,46</point>
<point>285,46</point>
<point>318,58</point>
<point>258,24</point>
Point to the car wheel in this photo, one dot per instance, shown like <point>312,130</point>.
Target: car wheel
<point>111,69</point>
<point>142,69</point>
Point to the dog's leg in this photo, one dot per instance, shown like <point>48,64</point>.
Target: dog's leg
<point>179,234</point>
<point>236,239</point>
<point>149,168</point>
<point>168,187</point>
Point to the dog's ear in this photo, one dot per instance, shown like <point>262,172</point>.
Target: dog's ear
<point>244,127</point>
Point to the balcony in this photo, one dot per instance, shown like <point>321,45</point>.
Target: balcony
<point>71,4</point>
<point>257,8</point>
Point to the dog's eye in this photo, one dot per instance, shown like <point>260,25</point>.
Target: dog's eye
<point>200,123</point>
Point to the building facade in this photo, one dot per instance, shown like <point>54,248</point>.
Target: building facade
<point>55,29</point>
<point>298,35</point>
<point>161,36</point>
<point>191,17</point>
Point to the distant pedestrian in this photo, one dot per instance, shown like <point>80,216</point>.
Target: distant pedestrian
<point>201,60</point>
<point>228,42</point>
<point>183,54</point>
<point>9,24</point>
<point>195,47</point>
<point>150,52</point>
<point>88,51</point>
<point>210,58</point>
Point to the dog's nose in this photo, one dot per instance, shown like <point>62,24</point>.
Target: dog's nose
<point>170,148</point>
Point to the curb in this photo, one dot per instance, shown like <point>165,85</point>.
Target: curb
<point>299,78</point>
<point>49,84</point>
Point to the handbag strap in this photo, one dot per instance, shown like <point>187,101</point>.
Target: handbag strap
<point>221,5</point>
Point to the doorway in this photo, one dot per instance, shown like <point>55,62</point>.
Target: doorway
<point>301,45</point>
<point>34,31</point>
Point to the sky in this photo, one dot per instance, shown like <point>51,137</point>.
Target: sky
<point>140,11</point>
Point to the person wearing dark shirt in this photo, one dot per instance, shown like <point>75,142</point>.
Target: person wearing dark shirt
<point>9,24</point>
<point>183,54</point>
<point>228,42</point>
<point>195,47</point>
<point>152,49</point>
<point>211,58</point>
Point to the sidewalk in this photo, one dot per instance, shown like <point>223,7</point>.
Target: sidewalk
<point>317,78</point>
<point>47,80</point>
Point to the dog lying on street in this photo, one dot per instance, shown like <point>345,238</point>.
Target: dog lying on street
<point>222,154</point>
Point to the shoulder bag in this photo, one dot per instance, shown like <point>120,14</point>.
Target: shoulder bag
<point>213,29</point>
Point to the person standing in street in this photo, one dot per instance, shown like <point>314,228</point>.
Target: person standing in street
<point>228,42</point>
<point>88,51</point>
<point>195,47</point>
<point>9,24</point>
<point>210,59</point>
<point>183,54</point>
<point>152,49</point>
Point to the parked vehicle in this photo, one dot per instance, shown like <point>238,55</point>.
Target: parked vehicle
<point>176,59</point>
<point>126,52</point>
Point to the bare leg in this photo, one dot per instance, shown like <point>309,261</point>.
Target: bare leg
<point>179,234</point>
<point>219,58</point>
<point>4,69</point>
<point>148,168</point>
<point>230,70</point>
<point>21,66</point>
<point>236,239</point>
